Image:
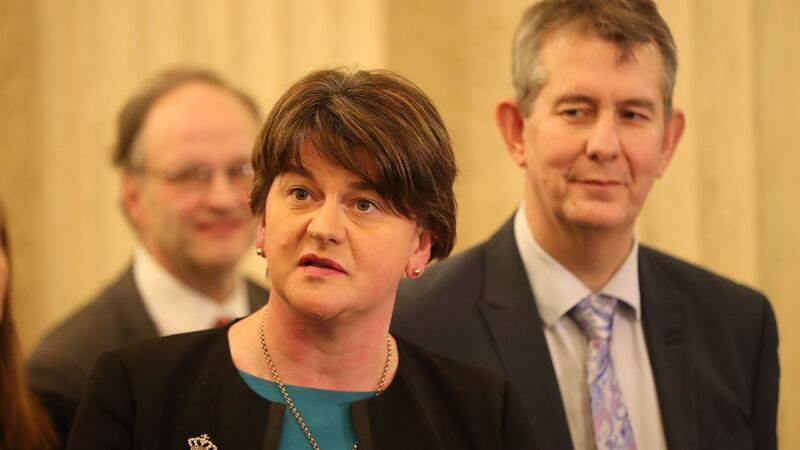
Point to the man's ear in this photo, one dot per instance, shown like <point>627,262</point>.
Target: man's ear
<point>420,254</point>
<point>672,135</point>
<point>510,122</point>
<point>132,198</point>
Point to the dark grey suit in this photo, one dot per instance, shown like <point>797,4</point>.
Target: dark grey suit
<point>60,366</point>
<point>712,343</point>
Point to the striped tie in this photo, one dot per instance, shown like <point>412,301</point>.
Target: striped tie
<point>612,427</point>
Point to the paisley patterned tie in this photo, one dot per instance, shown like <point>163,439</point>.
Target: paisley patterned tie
<point>612,427</point>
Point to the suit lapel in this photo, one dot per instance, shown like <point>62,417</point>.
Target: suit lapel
<point>137,322</point>
<point>256,296</point>
<point>512,317</point>
<point>666,329</point>
<point>140,325</point>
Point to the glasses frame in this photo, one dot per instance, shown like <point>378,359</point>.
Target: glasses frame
<point>199,177</point>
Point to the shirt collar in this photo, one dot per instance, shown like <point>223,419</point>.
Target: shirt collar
<point>174,306</point>
<point>556,289</point>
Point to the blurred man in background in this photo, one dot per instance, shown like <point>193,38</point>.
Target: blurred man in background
<point>183,147</point>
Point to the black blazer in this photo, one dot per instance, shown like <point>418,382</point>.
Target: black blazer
<point>157,394</point>
<point>59,368</point>
<point>712,343</point>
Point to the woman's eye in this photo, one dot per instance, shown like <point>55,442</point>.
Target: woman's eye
<point>300,194</point>
<point>364,205</point>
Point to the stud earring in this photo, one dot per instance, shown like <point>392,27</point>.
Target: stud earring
<point>416,272</point>
<point>259,252</point>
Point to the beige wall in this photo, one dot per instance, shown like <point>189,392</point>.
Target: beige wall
<point>728,202</point>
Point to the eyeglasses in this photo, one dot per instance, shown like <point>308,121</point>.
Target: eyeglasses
<point>196,178</point>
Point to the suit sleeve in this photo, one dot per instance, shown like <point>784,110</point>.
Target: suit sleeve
<point>765,392</point>
<point>58,381</point>
<point>106,417</point>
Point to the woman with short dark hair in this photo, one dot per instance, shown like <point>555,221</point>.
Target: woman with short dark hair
<point>353,186</point>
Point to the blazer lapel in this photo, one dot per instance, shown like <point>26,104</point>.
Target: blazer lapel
<point>666,329</point>
<point>227,409</point>
<point>513,318</point>
<point>244,418</point>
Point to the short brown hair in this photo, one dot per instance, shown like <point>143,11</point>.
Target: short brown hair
<point>133,114</point>
<point>341,113</point>
<point>627,23</point>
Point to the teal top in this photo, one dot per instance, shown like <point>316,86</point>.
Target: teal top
<point>326,413</point>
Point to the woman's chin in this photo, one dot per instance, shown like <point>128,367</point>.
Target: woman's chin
<point>317,309</point>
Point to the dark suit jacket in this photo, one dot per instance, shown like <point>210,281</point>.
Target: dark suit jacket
<point>157,394</point>
<point>712,343</point>
<point>59,368</point>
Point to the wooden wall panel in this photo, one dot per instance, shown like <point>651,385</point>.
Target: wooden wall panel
<point>21,154</point>
<point>463,62</point>
<point>673,199</point>
<point>777,68</point>
<point>491,184</point>
<point>264,29</point>
<point>727,147</point>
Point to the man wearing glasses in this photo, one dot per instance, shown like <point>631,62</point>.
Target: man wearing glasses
<point>183,146</point>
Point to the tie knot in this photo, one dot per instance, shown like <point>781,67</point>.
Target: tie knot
<point>595,316</point>
<point>221,321</point>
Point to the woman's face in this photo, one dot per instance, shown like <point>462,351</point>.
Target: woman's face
<point>334,247</point>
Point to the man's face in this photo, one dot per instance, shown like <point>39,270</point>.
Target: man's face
<point>596,137</point>
<point>191,226</point>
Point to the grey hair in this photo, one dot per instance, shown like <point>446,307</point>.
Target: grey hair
<point>626,23</point>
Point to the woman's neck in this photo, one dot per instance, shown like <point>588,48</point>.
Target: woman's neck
<point>305,352</point>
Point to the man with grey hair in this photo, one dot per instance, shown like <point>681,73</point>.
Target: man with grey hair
<point>183,147</point>
<point>612,344</point>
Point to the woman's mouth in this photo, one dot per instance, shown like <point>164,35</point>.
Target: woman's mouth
<point>316,265</point>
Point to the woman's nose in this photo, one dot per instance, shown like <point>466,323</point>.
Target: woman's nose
<point>326,226</point>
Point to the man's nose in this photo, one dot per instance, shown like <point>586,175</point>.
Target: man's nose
<point>603,143</point>
<point>222,192</point>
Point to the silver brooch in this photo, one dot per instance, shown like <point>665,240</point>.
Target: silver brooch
<point>202,442</point>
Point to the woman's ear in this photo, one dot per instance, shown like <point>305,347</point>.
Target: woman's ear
<point>260,235</point>
<point>420,254</point>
